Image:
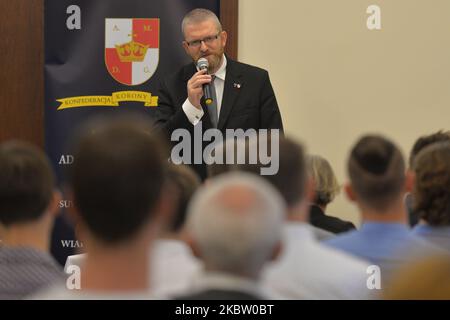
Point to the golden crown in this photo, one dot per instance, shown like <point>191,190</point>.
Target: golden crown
<point>131,51</point>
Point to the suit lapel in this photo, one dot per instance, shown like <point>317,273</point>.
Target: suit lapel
<point>230,92</point>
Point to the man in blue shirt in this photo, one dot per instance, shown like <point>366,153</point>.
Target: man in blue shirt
<point>377,185</point>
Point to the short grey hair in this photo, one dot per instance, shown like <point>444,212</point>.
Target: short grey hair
<point>325,182</point>
<point>236,222</point>
<point>200,15</point>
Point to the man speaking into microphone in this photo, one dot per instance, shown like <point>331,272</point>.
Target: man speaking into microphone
<point>214,91</point>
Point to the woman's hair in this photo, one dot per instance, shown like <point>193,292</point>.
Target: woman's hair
<point>326,184</point>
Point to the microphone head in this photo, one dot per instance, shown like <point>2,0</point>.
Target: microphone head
<point>202,63</point>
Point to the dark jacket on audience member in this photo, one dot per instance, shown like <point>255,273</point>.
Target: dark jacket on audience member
<point>219,294</point>
<point>319,219</point>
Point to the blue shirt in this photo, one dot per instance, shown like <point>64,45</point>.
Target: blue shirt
<point>439,236</point>
<point>387,245</point>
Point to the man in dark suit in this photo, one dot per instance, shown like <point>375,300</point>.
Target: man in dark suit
<point>243,97</point>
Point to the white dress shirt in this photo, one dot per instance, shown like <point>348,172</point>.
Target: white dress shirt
<point>193,114</point>
<point>172,267</point>
<point>307,269</point>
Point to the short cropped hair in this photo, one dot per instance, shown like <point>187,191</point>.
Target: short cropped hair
<point>424,141</point>
<point>236,221</point>
<point>26,183</point>
<point>377,171</point>
<point>186,183</point>
<point>117,176</point>
<point>432,187</point>
<point>198,16</point>
<point>290,180</point>
<point>325,181</point>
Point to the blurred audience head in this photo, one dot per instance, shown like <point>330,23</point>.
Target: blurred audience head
<point>117,179</point>
<point>234,223</point>
<point>432,184</point>
<point>326,185</point>
<point>27,184</point>
<point>377,173</point>
<point>428,279</point>
<point>424,141</point>
<point>185,182</point>
<point>291,178</point>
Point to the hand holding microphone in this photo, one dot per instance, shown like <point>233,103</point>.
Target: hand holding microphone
<point>196,85</point>
<point>202,64</point>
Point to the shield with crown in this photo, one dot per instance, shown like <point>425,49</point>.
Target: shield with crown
<point>132,49</point>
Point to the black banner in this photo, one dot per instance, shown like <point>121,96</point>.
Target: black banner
<point>105,56</point>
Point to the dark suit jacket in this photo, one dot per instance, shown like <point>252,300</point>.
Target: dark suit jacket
<point>248,102</point>
<point>335,225</point>
<point>219,294</point>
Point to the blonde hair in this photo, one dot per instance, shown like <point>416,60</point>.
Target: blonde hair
<point>326,184</point>
<point>200,15</point>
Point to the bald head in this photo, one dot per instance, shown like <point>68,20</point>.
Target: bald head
<point>235,222</point>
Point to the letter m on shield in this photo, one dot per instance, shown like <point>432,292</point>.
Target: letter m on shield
<point>131,49</point>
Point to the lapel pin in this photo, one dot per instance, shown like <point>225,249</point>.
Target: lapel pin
<point>237,85</point>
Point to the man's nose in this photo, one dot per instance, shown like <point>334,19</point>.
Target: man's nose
<point>203,46</point>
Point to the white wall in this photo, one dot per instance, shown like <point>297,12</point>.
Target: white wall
<point>335,80</point>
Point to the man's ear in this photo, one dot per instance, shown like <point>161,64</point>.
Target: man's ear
<point>166,206</point>
<point>190,241</point>
<point>410,180</point>
<point>277,250</point>
<point>350,192</point>
<point>224,37</point>
<point>186,47</point>
<point>72,210</point>
<point>310,190</point>
<point>53,207</point>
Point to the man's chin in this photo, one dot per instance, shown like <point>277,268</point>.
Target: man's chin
<point>213,61</point>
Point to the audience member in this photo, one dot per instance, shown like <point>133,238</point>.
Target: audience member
<point>326,188</point>
<point>121,202</point>
<point>173,264</point>
<point>377,185</point>
<point>428,279</point>
<point>420,144</point>
<point>432,193</point>
<point>28,207</point>
<point>234,223</point>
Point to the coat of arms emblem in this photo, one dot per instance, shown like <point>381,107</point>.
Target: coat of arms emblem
<point>132,49</point>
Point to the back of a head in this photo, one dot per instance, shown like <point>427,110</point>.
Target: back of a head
<point>424,141</point>
<point>377,171</point>
<point>186,183</point>
<point>236,222</point>
<point>26,183</point>
<point>432,186</point>
<point>291,176</point>
<point>325,182</point>
<point>117,176</point>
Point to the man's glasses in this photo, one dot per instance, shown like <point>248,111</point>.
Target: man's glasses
<point>208,40</point>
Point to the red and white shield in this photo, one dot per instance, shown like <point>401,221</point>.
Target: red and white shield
<point>131,49</point>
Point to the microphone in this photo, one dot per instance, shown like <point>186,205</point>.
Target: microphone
<point>202,64</point>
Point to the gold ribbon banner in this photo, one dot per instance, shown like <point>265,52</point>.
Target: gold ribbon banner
<point>109,101</point>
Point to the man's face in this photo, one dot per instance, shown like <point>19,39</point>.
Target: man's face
<point>212,47</point>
